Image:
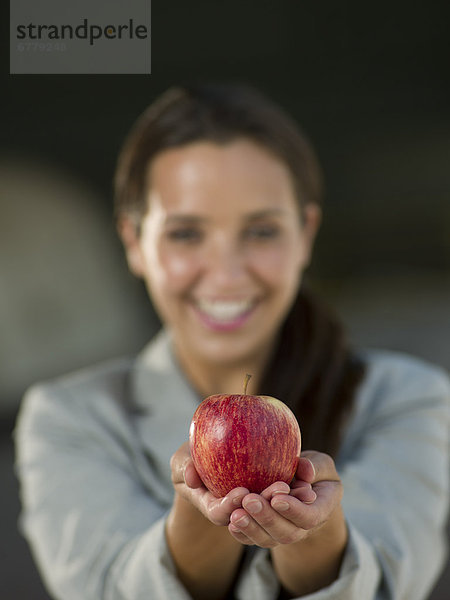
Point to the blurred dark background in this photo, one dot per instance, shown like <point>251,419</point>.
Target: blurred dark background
<point>370,85</point>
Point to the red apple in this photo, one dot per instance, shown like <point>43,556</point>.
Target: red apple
<point>240,440</point>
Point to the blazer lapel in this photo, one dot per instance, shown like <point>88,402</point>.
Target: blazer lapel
<point>164,403</point>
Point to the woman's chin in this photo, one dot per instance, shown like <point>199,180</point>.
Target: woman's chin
<point>229,351</point>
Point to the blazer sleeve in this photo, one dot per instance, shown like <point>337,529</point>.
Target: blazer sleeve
<point>395,471</point>
<point>94,530</point>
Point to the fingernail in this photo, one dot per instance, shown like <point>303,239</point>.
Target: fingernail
<point>313,497</point>
<point>237,501</point>
<point>310,462</point>
<point>243,521</point>
<point>254,506</point>
<point>280,492</point>
<point>281,506</point>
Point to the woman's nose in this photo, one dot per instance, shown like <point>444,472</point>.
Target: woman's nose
<point>226,263</point>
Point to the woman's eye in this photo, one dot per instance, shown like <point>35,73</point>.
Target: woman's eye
<point>262,232</point>
<point>185,234</point>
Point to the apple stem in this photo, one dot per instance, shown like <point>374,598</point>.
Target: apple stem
<point>246,380</point>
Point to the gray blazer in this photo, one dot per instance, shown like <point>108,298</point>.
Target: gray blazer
<point>93,452</point>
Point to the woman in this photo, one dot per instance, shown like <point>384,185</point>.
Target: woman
<point>218,205</point>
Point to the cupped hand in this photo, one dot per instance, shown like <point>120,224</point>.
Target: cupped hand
<point>188,485</point>
<point>283,514</point>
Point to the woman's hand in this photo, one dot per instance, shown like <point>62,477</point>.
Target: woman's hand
<point>188,485</point>
<point>304,528</point>
<point>301,523</point>
<point>285,515</point>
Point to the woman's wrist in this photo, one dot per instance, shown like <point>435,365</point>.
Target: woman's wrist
<point>314,562</point>
<point>205,555</point>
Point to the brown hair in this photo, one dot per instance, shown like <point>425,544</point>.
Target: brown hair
<point>312,368</point>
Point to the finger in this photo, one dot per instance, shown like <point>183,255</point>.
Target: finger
<point>291,509</point>
<point>308,516</point>
<point>218,510</point>
<point>178,463</point>
<point>305,470</point>
<point>239,535</point>
<point>303,492</point>
<point>191,477</point>
<point>316,466</point>
<point>279,487</point>
<point>244,524</point>
<point>233,499</point>
<point>268,527</point>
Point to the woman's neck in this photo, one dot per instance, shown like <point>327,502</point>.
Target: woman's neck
<point>209,378</point>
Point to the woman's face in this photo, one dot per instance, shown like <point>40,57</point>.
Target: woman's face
<point>222,248</point>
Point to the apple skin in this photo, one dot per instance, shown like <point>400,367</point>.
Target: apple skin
<point>246,441</point>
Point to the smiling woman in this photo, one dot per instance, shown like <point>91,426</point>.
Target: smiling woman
<point>218,202</point>
<point>221,155</point>
<point>221,248</point>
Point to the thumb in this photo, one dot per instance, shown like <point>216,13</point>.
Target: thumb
<point>191,477</point>
<point>305,470</point>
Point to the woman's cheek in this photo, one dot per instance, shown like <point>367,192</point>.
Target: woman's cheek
<point>275,264</point>
<point>179,269</point>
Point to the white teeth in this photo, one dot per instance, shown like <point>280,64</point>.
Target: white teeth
<point>224,310</point>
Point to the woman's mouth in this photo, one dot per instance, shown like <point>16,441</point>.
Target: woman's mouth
<point>224,315</point>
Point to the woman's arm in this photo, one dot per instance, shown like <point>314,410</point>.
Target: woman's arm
<point>313,562</point>
<point>206,556</point>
